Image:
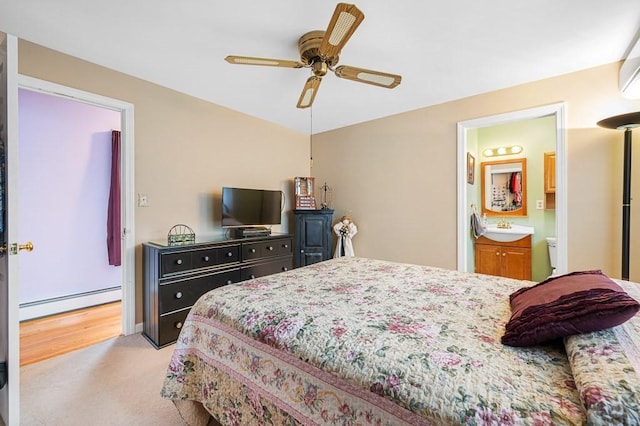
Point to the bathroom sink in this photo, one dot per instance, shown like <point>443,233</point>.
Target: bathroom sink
<point>505,235</point>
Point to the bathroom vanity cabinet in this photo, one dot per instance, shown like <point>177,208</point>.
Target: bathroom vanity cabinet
<point>505,259</point>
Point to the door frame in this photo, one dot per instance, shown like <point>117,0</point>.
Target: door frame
<point>464,209</point>
<point>126,110</point>
<point>10,393</point>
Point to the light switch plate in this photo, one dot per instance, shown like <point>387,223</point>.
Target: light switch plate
<point>143,200</point>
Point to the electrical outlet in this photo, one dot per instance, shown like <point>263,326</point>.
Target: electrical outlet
<point>540,204</point>
<point>143,200</point>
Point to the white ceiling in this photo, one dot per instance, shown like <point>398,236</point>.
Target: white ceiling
<point>444,50</point>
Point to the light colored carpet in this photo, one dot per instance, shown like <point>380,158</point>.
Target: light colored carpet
<point>116,382</point>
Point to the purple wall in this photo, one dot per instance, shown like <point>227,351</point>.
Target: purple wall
<point>64,165</point>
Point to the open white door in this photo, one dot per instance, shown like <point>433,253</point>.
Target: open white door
<point>9,288</point>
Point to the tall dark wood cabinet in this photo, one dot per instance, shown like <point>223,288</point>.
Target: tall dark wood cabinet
<point>314,240</point>
<point>174,277</point>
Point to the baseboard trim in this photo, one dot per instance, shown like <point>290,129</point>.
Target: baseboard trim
<point>70,303</point>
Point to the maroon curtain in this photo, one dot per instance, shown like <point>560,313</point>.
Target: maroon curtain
<point>114,242</point>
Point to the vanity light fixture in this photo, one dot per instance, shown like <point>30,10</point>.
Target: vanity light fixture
<point>502,150</point>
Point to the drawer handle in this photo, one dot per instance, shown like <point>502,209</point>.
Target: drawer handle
<point>179,295</point>
<point>504,254</point>
<point>229,282</point>
<point>252,250</point>
<point>497,253</point>
<point>284,268</point>
<point>252,276</point>
<point>270,248</point>
<point>285,246</point>
<point>178,324</point>
<point>179,261</point>
<point>230,254</point>
<point>206,258</point>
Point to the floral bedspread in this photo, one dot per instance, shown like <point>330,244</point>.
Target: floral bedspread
<point>362,341</point>
<point>606,367</point>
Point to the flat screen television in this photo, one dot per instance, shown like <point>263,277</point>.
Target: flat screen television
<point>244,207</point>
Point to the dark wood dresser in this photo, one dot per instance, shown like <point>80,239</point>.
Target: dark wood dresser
<point>174,277</point>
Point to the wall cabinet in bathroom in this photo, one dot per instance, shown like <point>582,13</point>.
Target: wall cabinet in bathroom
<point>505,259</point>
<point>550,180</point>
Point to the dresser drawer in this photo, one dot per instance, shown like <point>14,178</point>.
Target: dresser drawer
<point>228,254</point>
<point>171,263</point>
<point>264,249</point>
<point>203,258</point>
<point>169,327</point>
<point>283,247</point>
<point>251,251</point>
<point>268,268</point>
<point>182,294</point>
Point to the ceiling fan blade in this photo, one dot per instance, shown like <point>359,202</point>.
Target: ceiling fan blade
<point>269,62</point>
<point>362,75</point>
<point>345,20</point>
<point>309,92</point>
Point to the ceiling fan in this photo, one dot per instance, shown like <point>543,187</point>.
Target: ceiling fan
<point>320,50</point>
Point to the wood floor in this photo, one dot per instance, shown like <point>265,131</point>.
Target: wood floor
<point>47,337</point>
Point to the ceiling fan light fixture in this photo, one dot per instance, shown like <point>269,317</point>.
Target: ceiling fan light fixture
<point>320,68</point>
<point>320,51</point>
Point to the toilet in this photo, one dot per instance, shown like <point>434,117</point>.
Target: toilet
<point>553,254</point>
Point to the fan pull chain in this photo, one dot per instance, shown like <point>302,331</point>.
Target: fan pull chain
<point>311,139</point>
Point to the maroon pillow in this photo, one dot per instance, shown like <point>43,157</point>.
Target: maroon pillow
<point>579,302</point>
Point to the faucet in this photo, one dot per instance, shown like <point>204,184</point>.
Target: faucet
<point>503,224</point>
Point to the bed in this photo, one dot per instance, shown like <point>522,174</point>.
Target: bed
<point>355,341</point>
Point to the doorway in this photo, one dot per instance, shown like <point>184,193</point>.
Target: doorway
<point>64,156</point>
<point>465,129</point>
<point>127,184</point>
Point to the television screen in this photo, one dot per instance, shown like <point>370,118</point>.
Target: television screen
<point>250,207</point>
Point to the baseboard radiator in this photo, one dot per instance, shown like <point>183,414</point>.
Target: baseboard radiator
<point>57,305</point>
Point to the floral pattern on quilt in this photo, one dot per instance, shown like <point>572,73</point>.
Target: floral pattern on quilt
<point>606,368</point>
<point>227,399</point>
<point>269,382</point>
<point>425,339</point>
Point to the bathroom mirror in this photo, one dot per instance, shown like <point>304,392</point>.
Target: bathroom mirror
<point>504,187</point>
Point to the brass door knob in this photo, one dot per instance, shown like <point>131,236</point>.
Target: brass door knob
<point>28,246</point>
<point>15,248</point>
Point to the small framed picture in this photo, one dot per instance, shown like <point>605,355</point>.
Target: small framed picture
<point>471,167</point>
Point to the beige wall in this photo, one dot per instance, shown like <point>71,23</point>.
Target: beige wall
<point>396,176</point>
<point>186,149</point>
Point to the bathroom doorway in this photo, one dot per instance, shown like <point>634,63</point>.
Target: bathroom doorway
<point>466,132</point>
